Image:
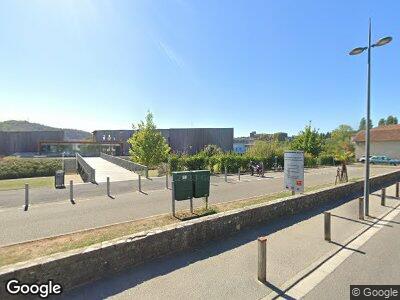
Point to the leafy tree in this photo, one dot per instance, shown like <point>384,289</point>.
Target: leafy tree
<point>391,120</point>
<point>211,150</point>
<point>309,140</point>
<point>266,149</point>
<point>148,146</point>
<point>362,124</point>
<point>340,145</point>
<point>382,122</point>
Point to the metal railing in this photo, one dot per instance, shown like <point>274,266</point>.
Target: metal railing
<point>126,164</point>
<point>82,165</point>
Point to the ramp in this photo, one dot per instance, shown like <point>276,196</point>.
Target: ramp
<point>105,168</point>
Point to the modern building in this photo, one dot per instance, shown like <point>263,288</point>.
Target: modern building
<point>12,142</point>
<point>181,140</point>
<point>84,148</point>
<point>385,140</point>
<point>242,144</point>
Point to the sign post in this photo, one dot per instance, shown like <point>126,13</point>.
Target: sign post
<point>294,171</point>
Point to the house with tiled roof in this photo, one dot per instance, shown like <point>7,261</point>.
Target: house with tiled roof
<point>385,140</point>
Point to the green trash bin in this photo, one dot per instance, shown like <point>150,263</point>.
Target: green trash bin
<point>183,185</point>
<point>201,183</point>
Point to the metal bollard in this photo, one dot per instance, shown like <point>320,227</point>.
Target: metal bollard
<point>26,197</point>
<point>140,183</point>
<point>361,208</point>
<point>262,259</point>
<point>71,191</point>
<point>108,187</point>
<point>166,180</point>
<point>191,205</point>
<point>173,198</point>
<point>327,226</point>
<point>207,203</point>
<point>226,174</point>
<point>397,189</point>
<point>293,193</point>
<point>383,197</point>
<point>239,174</point>
<point>262,169</point>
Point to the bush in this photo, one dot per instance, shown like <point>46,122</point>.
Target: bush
<point>28,167</point>
<point>326,160</point>
<point>309,160</point>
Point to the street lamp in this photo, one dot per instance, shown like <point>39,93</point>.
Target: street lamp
<point>356,51</point>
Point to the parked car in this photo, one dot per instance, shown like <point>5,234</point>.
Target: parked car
<point>383,160</point>
<point>362,158</point>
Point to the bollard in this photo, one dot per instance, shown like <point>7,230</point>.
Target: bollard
<point>239,174</point>
<point>173,198</point>
<point>226,174</point>
<point>166,180</point>
<point>361,208</point>
<point>71,191</point>
<point>207,203</point>
<point>262,259</point>
<point>262,169</point>
<point>397,189</point>
<point>383,197</point>
<point>327,226</point>
<point>293,193</point>
<point>108,187</point>
<point>191,205</point>
<point>140,183</point>
<point>26,197</point>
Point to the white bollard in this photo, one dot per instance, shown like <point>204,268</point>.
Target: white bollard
<point>262,259</point>
<point>26,197</point>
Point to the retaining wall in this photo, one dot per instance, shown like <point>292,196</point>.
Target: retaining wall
<point>77,267</point>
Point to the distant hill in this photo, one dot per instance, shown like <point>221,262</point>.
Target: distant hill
<point>69,134</point>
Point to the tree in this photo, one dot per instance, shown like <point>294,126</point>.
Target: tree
<point>211,150</point>
<point>148,146</point>
<point>309,140</point>
<point>362,124</point>
<point>266,149</point>
<point>391,120</point>
<point>340,145</point>
<point>382,122</point>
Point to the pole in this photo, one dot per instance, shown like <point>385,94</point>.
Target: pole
<point>140,183</point>
<point>166,179</point>
<point>262,259</point>
<point>383,197</point>
<point>361,208</point>
<point>367,136</point>
<point>26,197</point>
<point>207,203</point>
<point>226,174</point>
<point>108,187</point>
<point>191,205</point>
<point>327,226</point>
<point>239,174</point>
<point>71,191</point>
<point>173,198</point>
<point>397,189</point>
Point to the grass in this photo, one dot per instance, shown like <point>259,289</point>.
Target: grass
<point>15,184</point>
<point>43,247</point>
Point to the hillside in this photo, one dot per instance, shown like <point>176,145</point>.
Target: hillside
<point>69,134</point>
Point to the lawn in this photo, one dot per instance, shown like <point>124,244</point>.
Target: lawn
<point>15,184</point>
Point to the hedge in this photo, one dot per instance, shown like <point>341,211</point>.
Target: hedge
<point>12,168</point>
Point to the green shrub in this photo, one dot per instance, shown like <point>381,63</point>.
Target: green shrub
<point>309,160</point>
<point>326,160</point>
<point>28,167</point>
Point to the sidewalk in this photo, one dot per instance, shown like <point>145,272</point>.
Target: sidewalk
<point>227,269</point>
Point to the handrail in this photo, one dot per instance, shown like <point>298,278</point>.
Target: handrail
<point>126,164</point>
<point>86,168</point>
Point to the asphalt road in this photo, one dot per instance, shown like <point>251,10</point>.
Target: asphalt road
<point>227,268</point>
<point>49,218</point>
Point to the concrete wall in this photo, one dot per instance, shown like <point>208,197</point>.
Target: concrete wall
<point>389,148</point>
<point>26,141</point>
<point>77,267</point>
<point>181,140</point>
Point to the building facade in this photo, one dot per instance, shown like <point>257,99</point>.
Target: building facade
<point>181,140</point>
<point>385,140</point>
<point>13,142</point>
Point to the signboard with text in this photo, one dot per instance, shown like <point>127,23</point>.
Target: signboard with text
<point>294,171</point>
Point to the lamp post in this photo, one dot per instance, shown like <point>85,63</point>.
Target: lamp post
<point>356,51</point>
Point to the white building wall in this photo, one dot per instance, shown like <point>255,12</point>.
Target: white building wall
<point>389,148</point>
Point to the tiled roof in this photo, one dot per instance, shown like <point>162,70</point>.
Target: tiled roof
<point>380,134</point>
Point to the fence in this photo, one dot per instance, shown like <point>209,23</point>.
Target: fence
<point>82,165</point>
<point>126,164</point>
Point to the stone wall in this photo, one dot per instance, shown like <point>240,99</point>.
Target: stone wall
<point>77,267</point>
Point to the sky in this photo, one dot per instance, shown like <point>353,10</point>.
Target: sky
<point>262,66</point>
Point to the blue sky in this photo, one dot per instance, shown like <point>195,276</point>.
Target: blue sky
<point>253,65</point>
